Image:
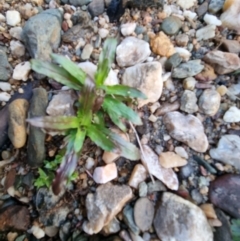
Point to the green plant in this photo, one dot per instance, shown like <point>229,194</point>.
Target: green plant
<point>235,229</point>
<point>96,100</point>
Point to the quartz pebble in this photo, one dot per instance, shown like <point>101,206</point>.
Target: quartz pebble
<point>16,32</point>
<point>128,28</point>
<point>13,17</point>
<point>232,115</point>
<point>103,33</point>
<point>138,175</point>
<point>189,102</point>
<point>186,4</point>
<point>22,71</point>
<point>17,48</point>
<point>87,51</point>
<point>184,53</point>
<point>5,97</point>
<point>212,20</point>
<point>181,152</point>
<point>89,163</point>
<point>5,86</point>
<point>170,160</point>
<point>189,83</point>
<point>206,32</point>
<point>105,174</point>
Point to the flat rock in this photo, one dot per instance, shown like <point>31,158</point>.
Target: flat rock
<point>187,129</point>
<point>21,71</point>
<point>222,62</point>
<point>138,175</point>
<point>14,217</point>
<point>162,45</point>
<point>232,46</point>
<point>132,51</point>
<point>189,102</point>
<point>170,159</point>
<point>17,131</point>
<point>101,209</point>
<point>147,78</point>
<point>5,67</point>
<point>228,150</point>
<point>205,33</point>
<point>42,33</point>
<point>224,194</point>
<point>143,213</point>
<point>151,161</point>
<point>209,102</point>
<point>179,219</point>
<point>189,69</point>
<point>36,138</point>
<point>232,115</point>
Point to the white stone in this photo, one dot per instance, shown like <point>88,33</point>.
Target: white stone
<point>13,17</point>
<point>154,107</point>
<point>206,32</point>
<point>232,115</point>
<point>5,86</point>
<point>103,33</point>
<point>22,71</point>
<point>4,96</point>
<point>128,28</point>
<point>132,51</point>
<point>16,32</point>
<point>212,20</point>
<point>2,18</point>
<point>17,48</point>
<point>181,152</point>
<point>186,4</point>
<point>138,175</point>
<point>37,232</point>
<point>105,174</point>
<point>147,78</point>
<point>89,163</point>
<point>86,52</point>
<point>184,53</point>
<point>189,14</point>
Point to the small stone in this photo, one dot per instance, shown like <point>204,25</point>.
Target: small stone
<point>17,48</point>
<point>187,129</point>
<point>105,174</point>
<point>5,67</point>
<point>224,194</point>
<point>128,28</point>
<point>2,18</point>
<point>103,33</point>
<point>232,115</point>
<point>173,61</point>
<point>228,150</point>
<point>202,9</point>
<point>167,107</point>
<point>138,175</point>
<point>181,152</point>
<point>170,160</point>
<point>194,225</point>
<point>143,213</point>
<point>186,4</point>
<point>189,83</point>
<point>5,86</point>
<point>189,102</point>
<point>87,51</point>
<point>51,231</point>
<point>11,236</point>
<point>231,46</point>
<point>77,3</point>
<point>13,17</point>
<point>16,32</point>
<point>22,71</point>
<point>147,78</point>
<point>208,210</point>
<point>142,189</point>
<point>101,209</point>
<point>215,5</point>
<point>182,40</point>
<point>212,20</point>
<point>17,131</point>
<point>27,11</point>
<point>89,163</point>
<point>96,7</point>
<point>189,69</point>
<point>184,53</point>
<point>207,74</point>
<point>112,227</point>
<point>222,62</point>
<point>37,232</point>
<point>4,97</point>
<point>129,219</point>
<point>171,25</point>
<point>132,51</point>
<point>206,32</point>
<point>161,45</point>
<point>157,186</point>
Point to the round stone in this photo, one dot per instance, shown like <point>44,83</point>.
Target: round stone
<point>171,25</point>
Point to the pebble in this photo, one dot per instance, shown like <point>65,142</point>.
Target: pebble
<point>132,51</point>
<point>4,97</point>
<point>232,115</point>
<point>173,61</point>
<point>166,175</point>
<point>156,186</point>
<point>13,17</point>
<point>142,189</point>
<point>17,131</point>
<point>189,102</point>
<point>167,107</point>
<point>5,67</point>
<point>143,213</point>
<point>96,7</point>
<point>51,231</point>
<point>27,11</point>
<point>207,74</point>
<point>181,152</point>
<point>215,5</point>
<point>194,225</point>
<point>11,236</point>
<point>17,49</point>
<point>170,160</point>
<point>189,69</point>
<point>161,45</point>
<point>138,175</point>
<point>128,28</point>
<point>105,174</point>
<point>224,194</point>
<point>228,150</point>
<point>189,15</point>
<point>184,53</point>
<point>202,9</point>
<point>222,90</point>
<point>5,86</point>
<point>37,232</point>
<point>189,83</point>
<point>222,62</point>
<point>86,52</point>
<point>89,163</point>
<point>16,32</point>
<point>209,102</point>
<point>186,4</point>
<point>129,219</point>
<point>103,33</point>
<point>101,209</point>
<point>21,71</point>
<point>206,32</point>
<point>209,211</point>
<point>182,40</point>
<point>147,78</point>
<point>187,129</point>
<point>171,25</point>
<point>211,20</point>
<point>112,227</point>
<point>231,46</point>
<point>2,18</point>
<point>77,3</point>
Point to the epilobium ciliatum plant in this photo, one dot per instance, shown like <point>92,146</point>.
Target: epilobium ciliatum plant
<point>95,101</point>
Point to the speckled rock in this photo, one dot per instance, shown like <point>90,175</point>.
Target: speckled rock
<point>187,129</point>
<point>189,102</point>
<point>5,67</point>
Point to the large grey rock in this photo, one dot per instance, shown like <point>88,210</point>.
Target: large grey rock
<point>77,3</point>
<point>178,219</point>
<point>36,138</point>
<point>42,33</point>
<point>5,67</point>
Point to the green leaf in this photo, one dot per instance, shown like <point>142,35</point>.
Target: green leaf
<point>55,72</point>
<point>52,165</point>
<point>79,139</point>
<point>235,229</point>
<point>123,90</point>
<point>117,110</point>
<point>55,123</point>
<point>70,67</point>
<point>105,60</point>
<point>98,118</point>
<point>43,179</point>
<point>95,132</point>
